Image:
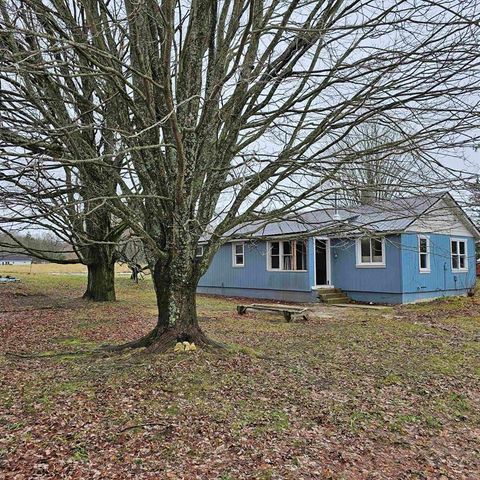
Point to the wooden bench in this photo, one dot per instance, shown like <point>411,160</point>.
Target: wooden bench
<point>289,312</point>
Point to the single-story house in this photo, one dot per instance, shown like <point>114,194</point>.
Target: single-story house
<point>396,251</point>
<point>15,259</point>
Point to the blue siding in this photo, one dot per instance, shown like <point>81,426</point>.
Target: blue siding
<point>283,295</point>
<point>254,280</point>
<point>399,281</point>
<point>377,297</point>
<point>382,285</point>
<point>440,281</point>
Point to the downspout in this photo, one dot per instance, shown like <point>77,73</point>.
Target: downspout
<point>444,278</point>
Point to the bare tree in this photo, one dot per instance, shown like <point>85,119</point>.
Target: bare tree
<point>217,113</point>
<point>34,243</point>
<point>35,196</point>
<point>372,171</point>
<point>131,252</point>
<point>472,202</point>
<point>49,126</point>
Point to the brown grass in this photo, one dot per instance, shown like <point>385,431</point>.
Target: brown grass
<point>48,268</point>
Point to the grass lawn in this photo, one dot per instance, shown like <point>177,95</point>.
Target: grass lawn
<point>351,394</point>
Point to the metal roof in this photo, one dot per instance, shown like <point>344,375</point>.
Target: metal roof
<point>393,215</point>
<point>384,216</point>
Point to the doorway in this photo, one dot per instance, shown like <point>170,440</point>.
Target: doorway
<point>322,274</point>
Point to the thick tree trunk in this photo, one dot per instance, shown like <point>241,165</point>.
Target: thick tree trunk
<point>101,282</point>
<point>100,257</point>
<point>177,313</point>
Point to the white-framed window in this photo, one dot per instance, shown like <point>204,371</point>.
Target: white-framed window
<point>199,251</point>
<point>458,250</point>
<point>238,254</point>
<point>424,253</point>
<point>287,255</point>
<point>370,252</point>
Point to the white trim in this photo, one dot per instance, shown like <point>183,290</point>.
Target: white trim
<point>329,260</point>
<point>202,249</point>
<point>427,253</point>
<point>458,241</point>
<point>280,254</point>
<point>358,254</point>
<point>422,224</point>
<point>463,216</point>
<point>234,255</point>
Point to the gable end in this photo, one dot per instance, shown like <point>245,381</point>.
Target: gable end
<point>444,217</point>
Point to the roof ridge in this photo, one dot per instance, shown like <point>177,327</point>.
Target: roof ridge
<point>351,208</point>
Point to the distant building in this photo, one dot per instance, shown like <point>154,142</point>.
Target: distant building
<point>15,259</point>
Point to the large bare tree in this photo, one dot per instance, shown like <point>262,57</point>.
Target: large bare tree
<point>378,172</point>
<point>217,113</point>
<point>48,127</point>
<point>40,197</point>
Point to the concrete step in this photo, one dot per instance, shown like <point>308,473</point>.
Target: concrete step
<point>333,300</point>
<point>331,294</point>
<point>328,290</point>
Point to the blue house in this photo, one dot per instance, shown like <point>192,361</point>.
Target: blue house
<point>397,251</point>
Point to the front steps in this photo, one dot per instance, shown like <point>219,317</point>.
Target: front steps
<point>332,296</point>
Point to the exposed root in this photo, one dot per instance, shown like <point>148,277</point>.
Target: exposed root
<point>160,341</point>
<point>167,340</point>
<point>153,342</point>
<point>142,342</point>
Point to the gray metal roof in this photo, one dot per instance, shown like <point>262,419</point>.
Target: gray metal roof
<point>310,221</point>
<point>393,215</point>
<point>384,216</point>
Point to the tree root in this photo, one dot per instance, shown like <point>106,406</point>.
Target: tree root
<point>163,341</point>
<point>153,342</point>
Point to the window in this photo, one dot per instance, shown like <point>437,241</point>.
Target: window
<point>199,251</point>
<point>275,255</point>
<point>371,252</point>
<point>459,255</point>
<point>424,253</point>
<point>301,255</point>
<point>287,255</point>
<point>238,254</point>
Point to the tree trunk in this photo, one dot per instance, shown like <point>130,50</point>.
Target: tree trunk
<point>177,313</point>
<point>101,282</point>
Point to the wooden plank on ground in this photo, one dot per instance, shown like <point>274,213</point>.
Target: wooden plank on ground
<point>289,312</point>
